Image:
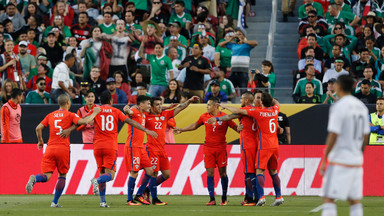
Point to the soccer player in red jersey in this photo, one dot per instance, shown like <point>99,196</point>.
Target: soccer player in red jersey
<point>268,146</point>
<point>248,144</point>
<point>57,152</point>
<point>135,155</point>
<point>157,121</point>
<point>105,143</point>
<point>215,152</point>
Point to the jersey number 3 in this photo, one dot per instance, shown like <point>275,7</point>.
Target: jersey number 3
<point>106,123</point>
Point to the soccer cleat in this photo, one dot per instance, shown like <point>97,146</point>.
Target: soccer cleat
<point>261,201</point>
<point>249,203</point>
<point>278,201</point>
<point>224,203</point>
<point>141,199</point>
<point>30,184</point>
<point>53,205</point>
<point>211,203</point>
<point>133,203</point>
<point>104,205</point>
<point>95,186</point>
<point>146,194</point>
<point>156,201</point>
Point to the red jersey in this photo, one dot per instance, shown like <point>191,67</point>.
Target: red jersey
<point>158,123</point>
<point>248,136</point>
<point>267,125</point>
<point>215,133</point>
<point>135,136</point>
<point>106,127</point>
<point>58,121</point>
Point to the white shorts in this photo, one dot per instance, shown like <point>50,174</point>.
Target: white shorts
<point>343,183</point>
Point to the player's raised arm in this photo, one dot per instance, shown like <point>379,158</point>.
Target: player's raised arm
<point>138,126</point>
<point>39,134</point>
<point>190,127</point>
<point>186,104</point>
<point>89,118</point>
<point>234,110</point>
<point>213,120</point>
<point>127,110</point>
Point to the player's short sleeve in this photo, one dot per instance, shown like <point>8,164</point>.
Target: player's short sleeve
<point>254,113</point>
<point>45,121</point>
<point>335,120</point>
<point>201,120</point>
<point>232,124</point>
<point>169,64</point>
<point>75,118</point>
<point>120,115</point>
<point>169,114</point>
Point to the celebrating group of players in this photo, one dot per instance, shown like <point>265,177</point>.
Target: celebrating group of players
<point>258,139</point>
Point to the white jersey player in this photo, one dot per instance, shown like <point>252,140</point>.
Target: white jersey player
<point>348,133</point>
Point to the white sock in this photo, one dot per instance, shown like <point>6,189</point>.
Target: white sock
<point>329,209</point>
<point>356,210</point>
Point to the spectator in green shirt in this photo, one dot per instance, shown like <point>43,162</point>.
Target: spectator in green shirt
<point>223,55</point>
<point>38,96</point>
<point>226,85</point>
<point>185,19</point>
<point>310,77</point>
<point>310,97</point>
<point>317,6</point>
<point>160,64</point>
<point>108,26</point>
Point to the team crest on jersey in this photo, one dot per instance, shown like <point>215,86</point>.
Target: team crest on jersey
<point>154,167</point>
<point>157,118</point>
<point>220,122</point>
<point>184,20</point>
<point>280,118</point>
<point>162,118</point>
<point>224,87</point>
<point>136,166</point>
<point>199,62</point>
<point>162,62</point>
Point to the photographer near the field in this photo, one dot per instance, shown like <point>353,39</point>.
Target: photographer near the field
<point>241,52</point>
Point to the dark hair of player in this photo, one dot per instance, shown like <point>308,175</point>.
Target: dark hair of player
<point>215,100</point>
<point>142,99</point>
<point>153,99</point>
<point>88,92</point>
<point>266,99</point>
<point>159,43</point>
<point>105,98</point>
<point>346,83</point>
<point>62,99</point>
<point>16,92</point>
<point>370,66</point>
<point>380,98</point>
<point>257,91</point>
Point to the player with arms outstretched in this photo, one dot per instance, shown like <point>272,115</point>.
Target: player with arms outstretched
<point>157,121</point>
<point>248,143</point>
<point>57,152</point>
<point>268,146</point>
<point>348,134</point>
<point>215,152</point>
<point>105,143</point>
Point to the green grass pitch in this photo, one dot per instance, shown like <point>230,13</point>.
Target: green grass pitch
<point>74,205</point>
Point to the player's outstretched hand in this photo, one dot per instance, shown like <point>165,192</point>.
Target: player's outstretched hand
<point>212,120</point>
<point>127,110</point>
<point>322,168</point>
<point>177,131</point>
<point>97,110</point>
<point>40,145</point>
<point>152,133</point>
<point>194,99</point>
<point>65,133</point>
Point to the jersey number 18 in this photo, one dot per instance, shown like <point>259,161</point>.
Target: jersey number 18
<point>107,123</point>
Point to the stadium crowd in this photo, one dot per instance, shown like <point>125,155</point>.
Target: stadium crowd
<point>172,49</point>
<point>339,37</point>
